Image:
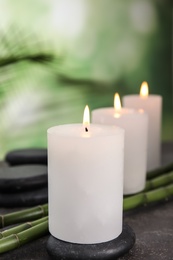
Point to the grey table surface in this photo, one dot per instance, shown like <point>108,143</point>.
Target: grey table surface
<point>153,226</point>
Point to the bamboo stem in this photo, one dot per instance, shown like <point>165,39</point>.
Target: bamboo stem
<point>21,227</point>
<point>16,240</point>
<point>147,197</point>
<point>159,181</point>
<point>24,215</point>
<point>159,171</point>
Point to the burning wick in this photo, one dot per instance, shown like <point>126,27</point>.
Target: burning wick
<point>86,119</point>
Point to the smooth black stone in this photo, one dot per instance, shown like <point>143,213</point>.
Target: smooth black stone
<point>22,178</point>
<point>24,199</point>
<point>27,156</point>
<point>58,249</point>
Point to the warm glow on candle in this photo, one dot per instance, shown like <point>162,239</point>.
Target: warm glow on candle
<point>117,102</point>
<point>86,118</point>
<point>144,89</point>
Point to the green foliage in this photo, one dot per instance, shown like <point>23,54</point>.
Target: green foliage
<point>49,73</point>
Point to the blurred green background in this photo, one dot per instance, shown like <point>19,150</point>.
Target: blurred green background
<point>57,56</point>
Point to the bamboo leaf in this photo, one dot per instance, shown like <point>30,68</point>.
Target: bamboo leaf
<point>39,58</point>
<point>17,45</point>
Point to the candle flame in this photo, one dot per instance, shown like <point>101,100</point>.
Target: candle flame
<point>117,102</point>
<point>141,111</point>
<point>144,91</point>
<point>86,118</point>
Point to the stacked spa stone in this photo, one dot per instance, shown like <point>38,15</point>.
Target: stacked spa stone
<point>23,178</point>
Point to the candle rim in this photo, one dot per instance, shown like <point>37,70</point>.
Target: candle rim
<point>112,108</point>
<point>133,111</point>
<point>149,96</point>
<point>112,130</point>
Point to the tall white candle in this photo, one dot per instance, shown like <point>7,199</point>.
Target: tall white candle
<point>135,124</point>
<point>85,181</point>
<point>152,104</point>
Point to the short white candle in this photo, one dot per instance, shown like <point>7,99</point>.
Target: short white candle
<point>152,104</point>
<point>85,182</point>
<point>135,124</point>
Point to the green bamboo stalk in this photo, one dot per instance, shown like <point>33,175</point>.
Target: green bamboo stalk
<point>160,171</point>
<point>16,240</point>
<point>24,215</point>
<point>159,181</point>
<point>21,227</point>
<point>147,197</point>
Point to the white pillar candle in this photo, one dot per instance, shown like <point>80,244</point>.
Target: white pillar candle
<point>135,124</point>
<point>85,182</point>
<point>152,104</point>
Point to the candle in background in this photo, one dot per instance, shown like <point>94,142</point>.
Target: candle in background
<point>135,124</point>
<point>85,182</point>
<point>152,105</point>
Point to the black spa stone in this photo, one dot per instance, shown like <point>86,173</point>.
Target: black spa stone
<point>27,156</point>
<point>58,249</point>
<point>24,199</point>
<point>22,178</point>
